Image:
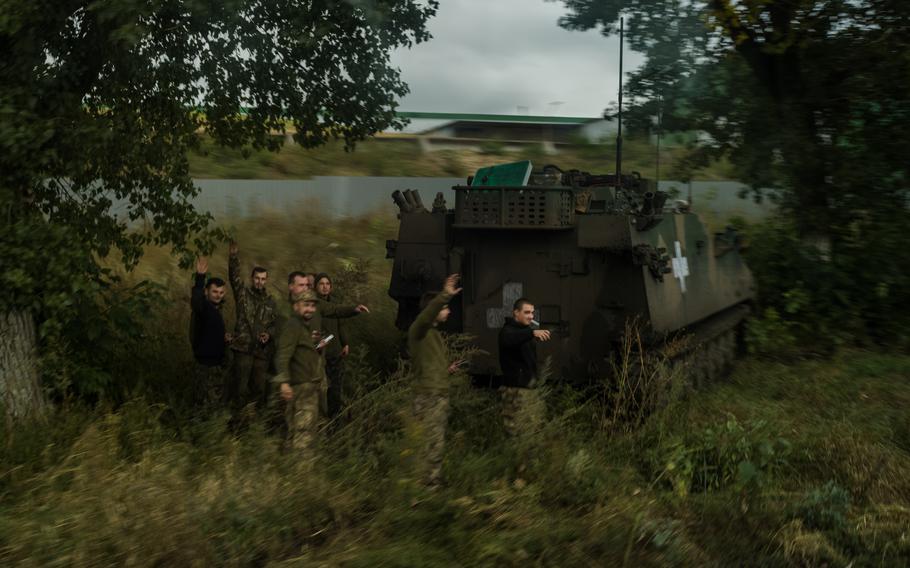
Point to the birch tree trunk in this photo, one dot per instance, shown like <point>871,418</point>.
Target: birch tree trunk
<point>20,390</point>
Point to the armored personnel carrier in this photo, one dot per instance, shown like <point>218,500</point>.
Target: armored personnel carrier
<point>592,252</point>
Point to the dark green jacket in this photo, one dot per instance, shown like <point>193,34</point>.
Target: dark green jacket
<point>333,325</point>
<point>429,357</point>
<point>323,309</point>
<point>297,360</point>
<point>256,313</point>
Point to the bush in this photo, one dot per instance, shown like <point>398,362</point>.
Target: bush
<point>825,507</point>
<point>771,335</point>
<point>849,288</point>
<point>731,453</point>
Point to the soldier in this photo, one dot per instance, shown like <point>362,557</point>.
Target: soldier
<point>253,344</point>
<point>522,409</point>
<point>208,336</point>
<point>300,282</point>
<point>301,370</point>
<point>337,350</point>
<point>430,370</point>
<point>297,283</point>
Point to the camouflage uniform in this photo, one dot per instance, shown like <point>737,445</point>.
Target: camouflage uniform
<point>299,364</point>
<point>302,414</point>
<point>431,416</point>
<point>208,384</point>
<point>430,364</point>
<point>522,410</point>
<point>256,313</point>
<point>302,367</point>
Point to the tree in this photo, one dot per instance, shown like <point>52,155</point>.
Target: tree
<point>100,102</point>
<point>809,95</point>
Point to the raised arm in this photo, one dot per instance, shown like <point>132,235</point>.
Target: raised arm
<point>427,316</point>
<point>234,269</point>
<point>197,299</point>
<point>424,321</point>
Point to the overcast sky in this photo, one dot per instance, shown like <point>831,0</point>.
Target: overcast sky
<point>493,56</point>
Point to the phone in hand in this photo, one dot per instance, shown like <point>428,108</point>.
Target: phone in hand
<point>325,341</point>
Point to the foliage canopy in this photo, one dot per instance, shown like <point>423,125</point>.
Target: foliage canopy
<point>101,101</point>
<point>807,95</point>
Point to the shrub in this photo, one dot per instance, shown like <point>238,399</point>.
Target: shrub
<point>730,453</point>
<point>824,507</point>
<point>846,287</point>
<point>771,335</point>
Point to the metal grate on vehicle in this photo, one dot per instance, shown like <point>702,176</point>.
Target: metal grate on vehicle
<point>517,208</point>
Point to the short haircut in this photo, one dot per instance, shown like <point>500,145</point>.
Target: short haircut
<point>214,281</point>
<point>258,270</point>
<point>427,298</point>
<point>322,275</point>
<point>294,275</point>
<point>520,303</point>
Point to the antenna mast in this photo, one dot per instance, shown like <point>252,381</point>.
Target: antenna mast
<point>659,132</point>
<point>619,129</point>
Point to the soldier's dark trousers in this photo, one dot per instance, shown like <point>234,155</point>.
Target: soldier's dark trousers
<point>334,370</point>
<point>522,410</point>
<point>208,385</point>
<point>249,380</point>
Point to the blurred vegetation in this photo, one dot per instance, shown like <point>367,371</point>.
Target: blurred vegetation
<point>820,296</point>
<point>401,156</point>
<point>807,97</point>
<point>799,463</point>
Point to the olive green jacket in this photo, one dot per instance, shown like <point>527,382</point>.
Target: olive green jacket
<point>291,341</point>
<point>323,309</point>
<point>429,356</point>
<point>297,360</point>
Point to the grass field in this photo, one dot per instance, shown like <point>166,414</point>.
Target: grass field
<point>805,464</point>
<point>391,156</point>
<point>798,463</point>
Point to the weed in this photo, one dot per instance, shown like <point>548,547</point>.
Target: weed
<point>825,507</point>
<point>638,385</point>
<point>730,453</point>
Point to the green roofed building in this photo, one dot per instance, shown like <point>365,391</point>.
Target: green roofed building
<point>507,128</point>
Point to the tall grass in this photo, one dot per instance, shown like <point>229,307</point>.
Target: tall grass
<point>402,157</point>
<point>806,463</point>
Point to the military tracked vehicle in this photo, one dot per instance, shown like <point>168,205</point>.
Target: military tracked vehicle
<point>592,252</point>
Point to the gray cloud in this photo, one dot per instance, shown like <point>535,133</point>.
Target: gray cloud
<point>491,56</point>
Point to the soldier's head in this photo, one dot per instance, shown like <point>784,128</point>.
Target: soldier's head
<point>323,284</point>
<point>443,314</point>
<point>297,283</point>
<point>304,304</point>
<point>259,277</point>
<point>214,290</point>
<point>523,311</point>
<point>311,277</point>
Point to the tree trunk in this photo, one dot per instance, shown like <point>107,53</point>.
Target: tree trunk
<point>20,390</point>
